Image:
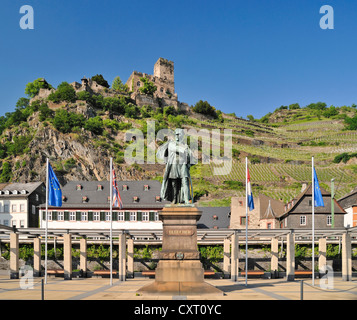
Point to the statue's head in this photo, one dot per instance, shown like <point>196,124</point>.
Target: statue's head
<point>179,135</point>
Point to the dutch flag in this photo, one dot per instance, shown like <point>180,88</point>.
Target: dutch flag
<point>249,192</point>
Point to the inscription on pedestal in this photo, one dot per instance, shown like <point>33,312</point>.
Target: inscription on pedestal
<point>179,232</point>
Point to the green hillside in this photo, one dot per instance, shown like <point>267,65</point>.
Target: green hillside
<point>79,131</point>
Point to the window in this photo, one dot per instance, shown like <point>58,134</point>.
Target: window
<point>72,216</point>
<point>99,187</point>
<point>13,223</point>
<point>125,187</point>
<point>13,208</point>
<point>37,198</point>
<point>286,222</point>
<point>158,199</point>
<point>146,187</point>
<point>136,199</point>
<point>14,192</point>
<point>23,191</point>
<point>132,216</point>
<point>310,203</point>
<point>302,220</point>
<point>329,220</point>
<point>145,216</point>
<point>60,216</point>
<point>22,207</point>
<point>22,223</point>
<point>96,216</point>
<point>268,225</point>
<point>33,209</point>
<point>85,199</point>
<point>64,198</point>
<point>49,215</point>
<point>156,216</point>
<point>107,216</point>
<point>121,216</point>
<point>138,84</point>
<point>242,220</point>
<point>240,203</point>
<point>6,208</point>
<point>78,187</point>
<point>84,216</point>
<point>6,223</point>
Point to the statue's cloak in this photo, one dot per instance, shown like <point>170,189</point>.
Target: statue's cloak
<point>169,158</point>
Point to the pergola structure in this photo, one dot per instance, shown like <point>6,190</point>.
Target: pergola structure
<point>230,239</point>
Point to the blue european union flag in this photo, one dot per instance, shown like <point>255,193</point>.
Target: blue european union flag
<point>319,202</point>
<point>54,189</point>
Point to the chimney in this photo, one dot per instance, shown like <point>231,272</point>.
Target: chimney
<point>303,187</point>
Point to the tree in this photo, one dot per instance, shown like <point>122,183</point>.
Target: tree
<point>148,86</point>
<point>250,117</point>
<point>22,103</point>
<point>98,78</point>
<point>33,88</point>
<point>94,125</point>
<point>118,85</point>
<point>45,112</point>
<point>6,172</point>
<point>64,121</point>
<point>330,112</point>
<point>351,123</point>
<point>205,108</point>
<point>64,92</point>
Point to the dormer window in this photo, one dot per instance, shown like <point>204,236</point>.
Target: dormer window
<point>64,198</point>
<point>99,187</point>
<point>125,187</point>
<point>23,191</point>
<point>78,187</point>
<point>136,199</point>
<point>146,187</point>
<point>7,192</point>
<point>85,199</point>
<point>158,199</point>
<point>15,192</point>
<point>215,217</point>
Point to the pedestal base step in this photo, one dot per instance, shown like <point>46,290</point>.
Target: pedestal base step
<point>179,288</point>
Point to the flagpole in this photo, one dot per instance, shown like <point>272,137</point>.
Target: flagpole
<point>246,221</point>
<point>313,222</point>
<point>46,232</point>
<point>111,220</point>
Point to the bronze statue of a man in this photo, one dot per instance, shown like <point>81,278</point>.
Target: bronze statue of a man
<point>177,180</point>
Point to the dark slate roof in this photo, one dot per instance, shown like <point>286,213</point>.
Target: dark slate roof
<point>349,199</point>
<point>326,198</point>
<point>99,199</point>
<point>28,187</point>
<point>214,217</point>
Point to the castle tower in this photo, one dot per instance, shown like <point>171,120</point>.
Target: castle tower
<point>164,70</point>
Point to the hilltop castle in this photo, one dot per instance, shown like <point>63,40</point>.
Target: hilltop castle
<point>163,79</point>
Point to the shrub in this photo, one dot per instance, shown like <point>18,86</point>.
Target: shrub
<point>148,86</point>
<point>94,125</point>
<point>6,173</point>
<point>45,112</point>
<point>205,108</point>
<point>100,80</point>
<point>33,88</point>
<point>64,92</point>
<point>64,121</point>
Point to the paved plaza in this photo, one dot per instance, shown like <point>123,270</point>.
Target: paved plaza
<point>100,289</point>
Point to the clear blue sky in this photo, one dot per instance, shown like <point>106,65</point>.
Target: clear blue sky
<point>247,57</point>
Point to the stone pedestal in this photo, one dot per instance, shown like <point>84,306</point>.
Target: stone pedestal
<point>179,271</point>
